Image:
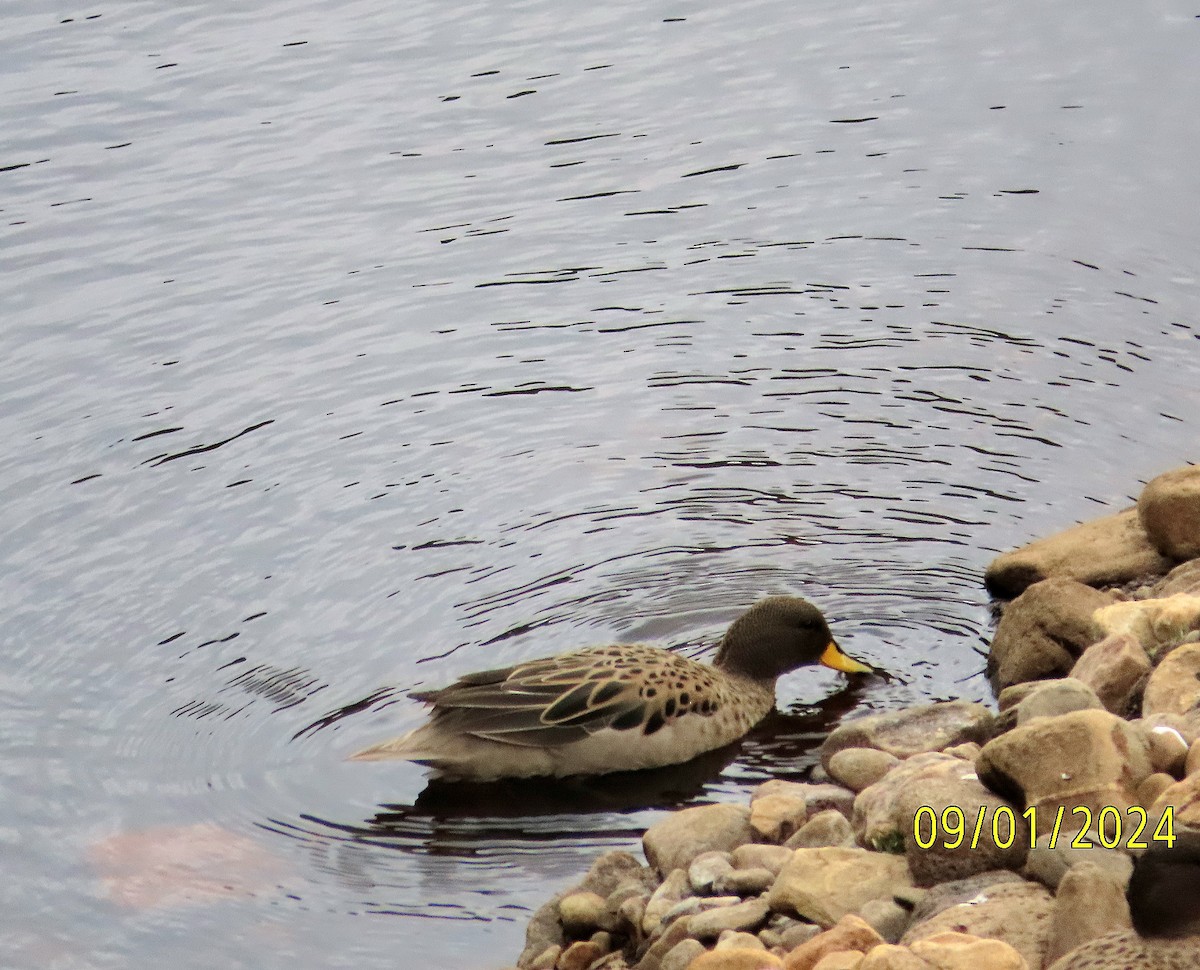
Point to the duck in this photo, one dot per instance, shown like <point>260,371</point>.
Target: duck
<point>621,707</point>
<point>1164,908</point>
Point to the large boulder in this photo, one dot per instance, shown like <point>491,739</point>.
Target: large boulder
<point>1174,687</point>
<point>1158,624</point>
<point>878,817</point>
<point>1044,631</point>
<point>1169,510</point>
<point>911,731</point>
<point>1084,759</point>
<point>1114,668</point>
<point>1110,551</point>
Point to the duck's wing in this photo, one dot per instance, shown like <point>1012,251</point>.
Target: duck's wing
<point>566,698</point>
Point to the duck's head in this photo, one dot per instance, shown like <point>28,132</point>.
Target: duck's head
<point>778,634</point>
<point>1164,890</point>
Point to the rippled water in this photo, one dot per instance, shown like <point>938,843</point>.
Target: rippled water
<point>347,349</point>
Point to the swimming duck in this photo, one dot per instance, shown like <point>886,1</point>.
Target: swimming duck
<point>1164,905</point>
<point>616,708</point>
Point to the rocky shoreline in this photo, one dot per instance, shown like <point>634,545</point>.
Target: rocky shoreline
<point>948,836</point>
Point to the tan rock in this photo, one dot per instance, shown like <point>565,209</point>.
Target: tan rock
<point>1153,786</point>
<point>967,751</point>
<point>823,885</point>
<point>878,819</point>
<point>1168,746</point>
<point>887,918</point>
<point>1159,624</point>
<point>1051,859</point>
<point>579,955</point>
<point>891,957</point>
<point>1192,765</point>
<point>776,817</point>
<point>1113,668</point>
<point>817,796</point>
<point>1043,631</point>
<point>825,829</point>
<point>841,960</point>
<point>682,955</point>
<point>584,912</point>
<point>741,917</point>
<point>674,888</point>
<point>545,960</point>
<point>1109,551</point>
<point>1045,698</point>
<point>734,940</point>
<point>859,768</point>
<point>1169,509</point>
<point>740,959</point>
<point>1183,798</point>
<point>1016,913</point>
<point>1184,578</point>
<point>1174,687</point>
<point>755,856</point>
<point>1090,902</point>
<point>850,933</point>
<point>961,951</point>
<point>1085,758</point>
<point>911,731</point>
<point>675,841</point>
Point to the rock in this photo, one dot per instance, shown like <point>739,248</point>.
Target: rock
<point>755,856</point>
<point>877,818</point>
<point>1159,624</point>
<point>1174,687</point>
<point>962,951</point>
<point>1045,698</point>
<point>584,913</point>
<point>734,940</point>
<point>840,960</point>
<point>887,918</point>
<point>1017,913</point>
<point>631,916</point>
<point>1090,902</point>
<point>682,954</point>
<point>817,797</point>
<point>859,768</point>
<point>891,957</point>
<point>1106,760</point>
<point>1114,668</point>
<point>1183,798</point>
<point>742,916</point>
<point>1049,865</point>
<point>967,751</point>
<point>740,959</point>
<point>1153,786</point>
<point>671,936</point>
<point>798,934</point>
<point>579,955</point>
<point>827,828</point>
<point>1168,746</point>
<point>775,817</point>
<point>748,882</point>
<point>546,959</point>
<point>823,885</point>
<point>675,841</point>
<point>850,933</point>
<point>1043,631</point>
<point>911,731</point>
<point>1110,551</point>
<point>626,889</point>
<point>1192,765</point>
<point>707,870</point>
<point>1169,510</point>
<point>674,888</point>
<point>1184,578</point>
<point>972,810</point>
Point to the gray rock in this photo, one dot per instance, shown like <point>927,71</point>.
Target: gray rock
<point>911,731</point>
<point>827,828</point>
<point>707,870</point>
<point>927,903</point>
<point>859,768</point>
<point>671,935</point>
<point>674,888</point>
<point>1169,510</point>
<point>741,917</point>
<point>1109,551</point>
<point>1046,698</point>
<point>798,934</point>
<point>887,918</point>
<point>675,841</point>
<point>747,882</point>
<point>1043,631</point>
<point>1184,578</point>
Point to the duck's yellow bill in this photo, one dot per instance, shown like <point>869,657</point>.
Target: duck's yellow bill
<point>833,657</point>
